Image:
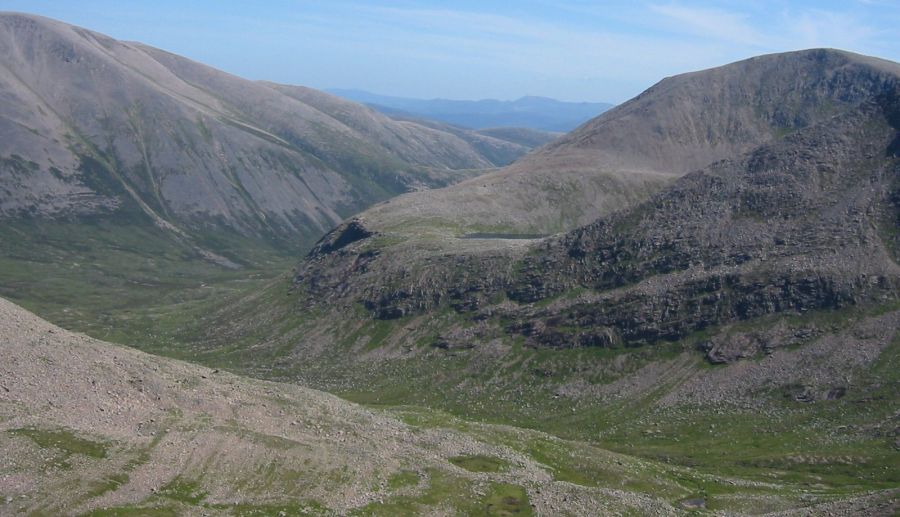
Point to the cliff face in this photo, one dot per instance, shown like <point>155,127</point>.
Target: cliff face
<point>796,226</point>
<point>806,221</point>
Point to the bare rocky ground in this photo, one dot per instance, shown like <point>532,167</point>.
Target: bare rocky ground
<point>87,425</point>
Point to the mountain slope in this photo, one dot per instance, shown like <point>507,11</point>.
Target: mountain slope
<point>90,428</point>
<point>129,176</point>
<point>412,248</point>
<point>742,319</point>
<point>800,225</point>
<point>814,213</point>
<point>93,127</point>
<point>694,119</point>
<point>539,113</point>
<point>621,157</point>
<point>456,146</point>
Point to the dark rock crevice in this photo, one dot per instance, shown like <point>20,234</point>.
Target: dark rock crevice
<point>342,236</point>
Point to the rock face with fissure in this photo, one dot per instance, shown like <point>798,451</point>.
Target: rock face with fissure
<point>807,222</point>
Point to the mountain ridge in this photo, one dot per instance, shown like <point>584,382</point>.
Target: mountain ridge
<point>95,126</point>
<point>621,157</point>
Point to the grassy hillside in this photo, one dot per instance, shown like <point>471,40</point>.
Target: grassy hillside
<point>118,432</point>
<point>109,278</point>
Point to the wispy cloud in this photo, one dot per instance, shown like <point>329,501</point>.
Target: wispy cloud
<point>575,49</point>
<point>816,28</point>
<point>530,44</point>
<point>614,47</point>
<point>732,26</point>
<point>774,29</point>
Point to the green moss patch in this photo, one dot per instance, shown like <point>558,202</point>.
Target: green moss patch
<point>480,463</point>
<point>63,440</point>
<point>505,499</point>
<point>132,511</point>
<point>185,491</point>
<point>285,510</point>
<point>402,479</point>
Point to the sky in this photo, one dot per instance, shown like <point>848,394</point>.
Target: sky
<point>572,50</point>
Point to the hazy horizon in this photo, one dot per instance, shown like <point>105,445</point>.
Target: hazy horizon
<point>573,51</point>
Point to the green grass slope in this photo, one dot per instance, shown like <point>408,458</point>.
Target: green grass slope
<point>91,428</point>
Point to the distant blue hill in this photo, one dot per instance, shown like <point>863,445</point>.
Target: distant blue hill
<point>539,113</point>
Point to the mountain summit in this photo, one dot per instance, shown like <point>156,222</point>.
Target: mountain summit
<point>681,124</point>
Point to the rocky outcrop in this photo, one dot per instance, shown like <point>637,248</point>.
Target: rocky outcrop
<point>345,234</point>
<point>791,227</point>
<point>802,224</point>
<point>730,346</point>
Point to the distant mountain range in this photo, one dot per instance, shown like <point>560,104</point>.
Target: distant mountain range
<point>532,112</point>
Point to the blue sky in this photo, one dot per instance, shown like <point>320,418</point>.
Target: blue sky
<point>572,50</point>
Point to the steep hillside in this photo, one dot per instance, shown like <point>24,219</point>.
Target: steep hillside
<point>814,213</point>
<point>97,128</point>
<point>413,255</point>
<point>806,223</point>
<point>130,176</point>
<point>90,428</point>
